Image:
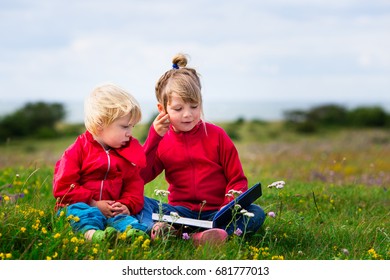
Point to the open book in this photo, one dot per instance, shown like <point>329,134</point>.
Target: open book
<point>222,218</point>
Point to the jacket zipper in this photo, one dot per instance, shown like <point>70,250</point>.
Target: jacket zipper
<point>105,176</point>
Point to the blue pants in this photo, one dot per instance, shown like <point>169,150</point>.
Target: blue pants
<point>252,225</point>
<point>91,218</point>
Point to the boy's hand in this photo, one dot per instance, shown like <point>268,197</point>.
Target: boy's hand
<point>105,207</point>
<point>161,123</point>
<point>119,208</point>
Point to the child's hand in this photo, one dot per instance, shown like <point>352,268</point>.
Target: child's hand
<point>161,123</point>
<point>105,206</point>
<point>119,208</point>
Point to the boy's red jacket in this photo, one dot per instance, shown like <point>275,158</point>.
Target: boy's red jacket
<point>201,166</point>
<point>86,171</point>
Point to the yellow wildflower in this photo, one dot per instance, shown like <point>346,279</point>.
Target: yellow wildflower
<point>74,239</point>
<point>146,244</point>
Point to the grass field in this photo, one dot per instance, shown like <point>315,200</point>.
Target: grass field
<point>335,204</point>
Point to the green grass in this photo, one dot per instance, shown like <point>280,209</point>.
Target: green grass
<point>335,204</point>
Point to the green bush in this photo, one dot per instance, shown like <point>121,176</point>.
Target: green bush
<point>34,119</point>
<point>368,117</point>
<point>326,116</point>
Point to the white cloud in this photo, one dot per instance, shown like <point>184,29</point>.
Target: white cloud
<point>252,49</point>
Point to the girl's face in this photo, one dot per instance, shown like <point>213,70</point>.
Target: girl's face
<point>183,116</point>
<point>117,134</point>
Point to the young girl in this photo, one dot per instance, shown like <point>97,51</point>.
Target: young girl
<point>97,179</point>
<point>200,161</point>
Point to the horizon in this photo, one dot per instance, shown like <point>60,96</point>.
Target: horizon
<point>214,110</point>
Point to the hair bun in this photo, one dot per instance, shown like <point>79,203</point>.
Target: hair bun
<point>180,60</point>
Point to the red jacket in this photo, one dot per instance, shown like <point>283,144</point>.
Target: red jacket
<point>86,171</point>
<point>200,165</point>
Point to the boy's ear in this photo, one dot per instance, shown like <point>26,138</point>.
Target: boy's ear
<point>160,107</point>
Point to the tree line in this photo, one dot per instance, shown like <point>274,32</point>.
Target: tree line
<point>331,115</point>
<point>40,120</point>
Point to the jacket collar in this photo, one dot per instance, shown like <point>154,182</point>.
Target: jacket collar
<point>132,152</point>
<point>194,130</point>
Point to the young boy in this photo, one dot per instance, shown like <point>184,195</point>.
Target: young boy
<point>97,179</point>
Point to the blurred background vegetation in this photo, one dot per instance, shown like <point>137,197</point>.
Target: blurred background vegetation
<point>42,120</point>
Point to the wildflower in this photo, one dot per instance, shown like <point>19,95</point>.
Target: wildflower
<point>277,184</point>
<point>233,193</point>
<point>23,229</point>
<point>48,258</point>
<point>57,235</point>
<point>271,214</point>
<point>345,251</point>
<point>122,235</point>
<point>373,254</point>
<point>74,239</point>
<point>146,244</point>
<point>161,192</point>
<point>6,198</point>
<point>237,206</point>
<point>238,232</point>
<point>8,255</point>
<point>44,230</point>
<point>186,236</point>
<point>249,214</point>
<point>277,258</point>
<point>174,215</point>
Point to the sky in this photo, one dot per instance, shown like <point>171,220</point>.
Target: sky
<point>247,50</point>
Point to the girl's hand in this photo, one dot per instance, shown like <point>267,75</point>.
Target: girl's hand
<point>161,123</point>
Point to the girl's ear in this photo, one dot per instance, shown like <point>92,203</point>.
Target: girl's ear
<point>160,107</point>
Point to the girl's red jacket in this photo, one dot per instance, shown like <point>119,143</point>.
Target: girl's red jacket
<point>87,171</point>
<point>201,166</point>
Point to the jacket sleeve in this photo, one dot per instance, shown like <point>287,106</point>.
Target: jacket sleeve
<point>153,165</point>
<point>132,194</point>
<point>66,181</point>
<point>133,191</point>
<point>232,167</point>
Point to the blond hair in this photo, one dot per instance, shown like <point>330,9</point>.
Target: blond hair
<point>181,80</point>
<point>107,103</point>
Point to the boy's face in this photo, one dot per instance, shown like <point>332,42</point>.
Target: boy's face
<point>117,134</point>
<point>183,116</point>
